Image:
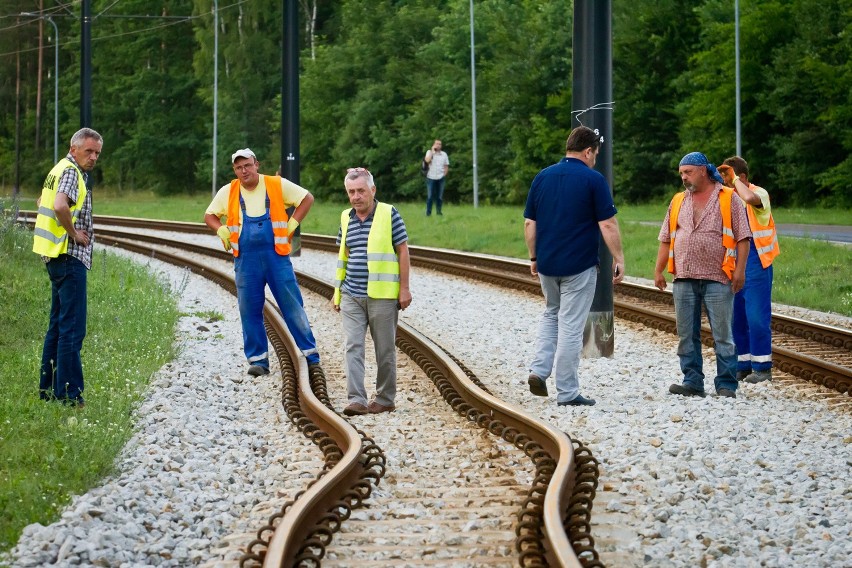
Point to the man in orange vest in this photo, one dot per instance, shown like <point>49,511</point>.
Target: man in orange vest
<point>704,242</point>
<point>258,231</point>
<point>753,304</point>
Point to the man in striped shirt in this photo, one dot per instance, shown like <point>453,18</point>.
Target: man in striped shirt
<point>371,286</point>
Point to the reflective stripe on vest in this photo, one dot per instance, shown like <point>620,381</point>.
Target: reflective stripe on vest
<point>277,214</point>
<point>382,260</point>
<point>49,237</point>
<point>764,236</point>
<point>729,261</point>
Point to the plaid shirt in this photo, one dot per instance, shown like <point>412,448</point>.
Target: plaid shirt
<point>68,186</point>
<point>698,250</point>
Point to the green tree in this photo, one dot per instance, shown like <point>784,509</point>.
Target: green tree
<point>652,44</point>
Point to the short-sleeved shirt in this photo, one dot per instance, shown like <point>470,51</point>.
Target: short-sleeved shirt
<point>765,210</point>
<point>436,166</point>
<point>255,199</point>
<point>567,201</point>
<point>357,274</point>
<point>698,250</point>
<point>84,222</point>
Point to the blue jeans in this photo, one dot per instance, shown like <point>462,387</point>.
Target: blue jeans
<point>258,265</point>
<point>434,192</point>
<point>61,365</point>
<point>752,317</point>
<point>689,295</point>
<point>568,300</point>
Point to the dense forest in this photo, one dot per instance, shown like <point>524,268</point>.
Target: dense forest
<point>381,79</point>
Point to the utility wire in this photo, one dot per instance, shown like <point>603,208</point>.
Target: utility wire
<point>180,19</point>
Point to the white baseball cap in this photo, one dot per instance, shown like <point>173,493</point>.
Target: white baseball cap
<point>244,153</point>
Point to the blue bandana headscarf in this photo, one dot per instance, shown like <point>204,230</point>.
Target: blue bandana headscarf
<point>699,159</point>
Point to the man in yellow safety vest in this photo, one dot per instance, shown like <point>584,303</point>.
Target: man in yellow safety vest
<point>370,287</point>
<point>63,236</point>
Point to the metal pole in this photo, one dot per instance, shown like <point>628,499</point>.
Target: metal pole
<point>290,93</point>
<point>55,89</point>
<point>215,89</point>
<point>737,72</point>
<point>592,85</point>
<point>86,65</point>
<point>473,109</point>
<point>55,81</point>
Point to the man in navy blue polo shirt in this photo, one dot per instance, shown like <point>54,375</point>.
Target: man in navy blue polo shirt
<point>569,207</point>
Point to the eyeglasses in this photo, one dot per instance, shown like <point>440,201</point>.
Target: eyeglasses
<point>245,167</point>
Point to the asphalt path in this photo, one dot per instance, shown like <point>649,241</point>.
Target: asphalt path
<point>834,233</point>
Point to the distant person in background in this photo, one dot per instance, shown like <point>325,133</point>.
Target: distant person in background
<point>569,208</point>
<point>753,304</point>
<point>704,244</point>
<point>64,237</point>
<point>370,287</point>
<point>258,231</point>
<point>436,177</point>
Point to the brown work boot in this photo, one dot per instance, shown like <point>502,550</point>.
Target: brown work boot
<point>355,409</point>
<point>376,408</point>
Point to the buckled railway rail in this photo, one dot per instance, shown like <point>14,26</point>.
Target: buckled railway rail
<point>553,521</point>
<point>558,506</point>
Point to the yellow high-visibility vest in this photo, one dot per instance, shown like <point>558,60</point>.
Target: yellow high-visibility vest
<point>729,262</point>
<point>49,237</point>
<point>382,260</point>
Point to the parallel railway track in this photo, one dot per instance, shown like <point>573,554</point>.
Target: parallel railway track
<point>814,352</point>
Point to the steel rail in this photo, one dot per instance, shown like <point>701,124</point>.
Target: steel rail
<point>297,533</point>
<point>565,506</point>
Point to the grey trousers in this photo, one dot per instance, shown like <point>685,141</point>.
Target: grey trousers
<point>568,300</point>
<point>381,316</point>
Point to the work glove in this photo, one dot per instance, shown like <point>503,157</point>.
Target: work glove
<point>224,234</point>
<point>727,173</point>
<point>292,225</point>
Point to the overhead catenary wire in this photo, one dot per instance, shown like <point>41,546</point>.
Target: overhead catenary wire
<point>178,20</point>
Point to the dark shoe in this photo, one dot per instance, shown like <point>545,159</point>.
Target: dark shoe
<point>759,376</point>
<point>376,408</point>
<point>537,386</point>
<point>727,393</point>
<point>257,371</point>
<point>355,409</point>
<point>742,375</point>
<point>578,400</point>
<point>686,391</point>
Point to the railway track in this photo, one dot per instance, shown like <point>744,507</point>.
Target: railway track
<point>490,270</point>
<point>548,519</point>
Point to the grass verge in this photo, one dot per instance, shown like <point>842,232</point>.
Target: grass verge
<point>49,452</point>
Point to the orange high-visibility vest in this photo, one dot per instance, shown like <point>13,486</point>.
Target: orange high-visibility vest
<point>729,262</point>
<point>277,214</point>
<point>764,236</point>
